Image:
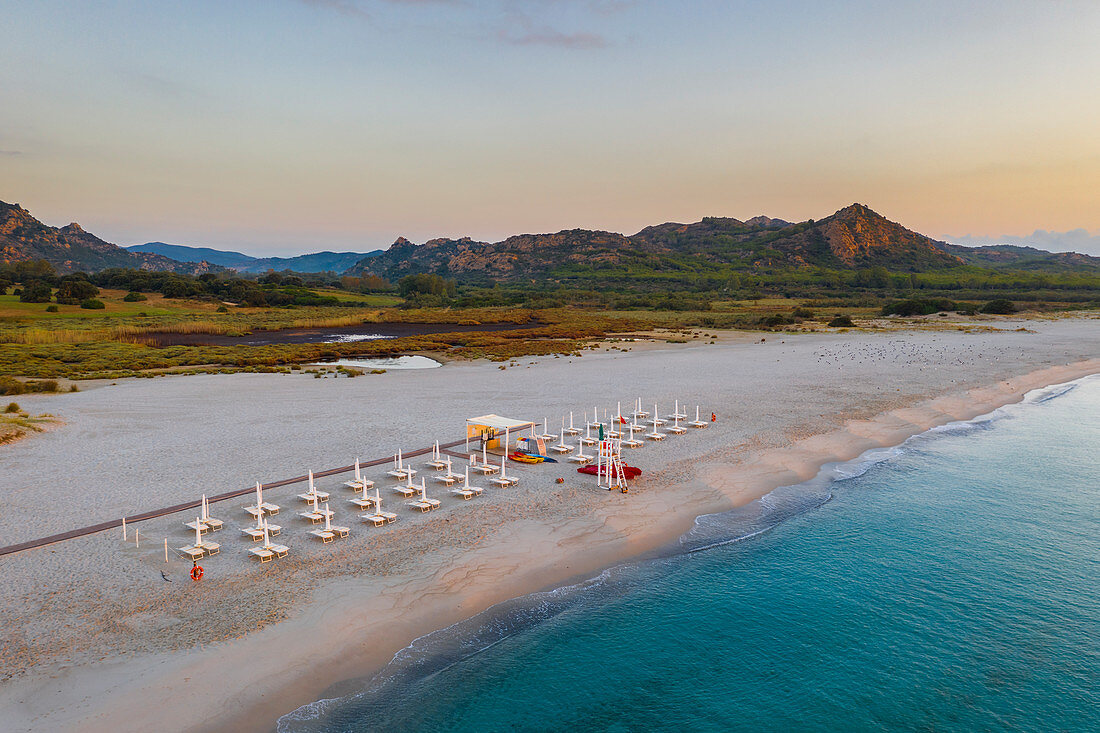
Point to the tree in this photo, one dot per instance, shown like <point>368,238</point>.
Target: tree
<point>425,284</point>
<point>74,288</point>
<point>36,291</point>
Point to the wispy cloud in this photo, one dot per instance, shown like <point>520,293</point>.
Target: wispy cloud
<point>551,37</point>
<point>11,152</point>
<point>517,22</point>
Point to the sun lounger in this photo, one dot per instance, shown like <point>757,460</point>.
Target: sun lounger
<point>199,525</point>
<point>323,534</point>
<point>339,531</point>
<point>213,524</point>
<point>357,485</point>
<point>262,509</point>
<point>421,505</point>
<point>211,548</point>
<point>362,503</point>
<point>313,516</point>
<point>192,552</point>
<point>676,429</point>
<point>465,494</point>
<point>445,478</point>
<point>656,435</point>
<point>261,554</point>
<point>255,533</point>
<point>379,518</point>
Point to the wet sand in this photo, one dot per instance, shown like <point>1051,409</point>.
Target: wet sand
<point>96,640</point>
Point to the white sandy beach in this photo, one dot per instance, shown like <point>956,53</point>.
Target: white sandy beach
<point>95,639</point>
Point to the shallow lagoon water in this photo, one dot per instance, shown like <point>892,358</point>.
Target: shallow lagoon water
<point>406,361</point>
<point>950,583</point>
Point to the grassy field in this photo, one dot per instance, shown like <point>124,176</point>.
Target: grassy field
<point>372,299</point>
<point>114,342</point>
<point>156,305</point>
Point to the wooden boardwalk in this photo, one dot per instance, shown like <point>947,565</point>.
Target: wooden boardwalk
<point>154,513</point>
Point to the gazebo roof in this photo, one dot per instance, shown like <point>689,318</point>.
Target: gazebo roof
<point>499,423</point>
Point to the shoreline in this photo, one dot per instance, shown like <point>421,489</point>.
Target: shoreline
<point>254,644</point>
<point>324,650</point>
<point>885,430</point>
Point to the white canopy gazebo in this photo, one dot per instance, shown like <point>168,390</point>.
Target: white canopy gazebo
<point>491,428</point>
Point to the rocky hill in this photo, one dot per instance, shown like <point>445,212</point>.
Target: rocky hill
<point>71,249</point>
<point>854,237</point>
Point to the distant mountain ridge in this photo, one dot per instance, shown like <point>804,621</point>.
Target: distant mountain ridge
<point>313,262</point>
<point>1025,259</point>
<point>71,249</point>
<point>853,237</point>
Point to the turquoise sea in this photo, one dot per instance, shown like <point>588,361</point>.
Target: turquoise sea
<point>952,583</point>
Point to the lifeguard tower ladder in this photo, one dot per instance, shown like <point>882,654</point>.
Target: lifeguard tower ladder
<point>609,466</point>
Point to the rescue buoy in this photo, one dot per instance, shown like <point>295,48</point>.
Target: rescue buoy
<point>196,573</point>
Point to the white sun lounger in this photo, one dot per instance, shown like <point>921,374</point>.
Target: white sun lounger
<point>361,503</point>
<point>199,525</point>
<point>437,461</point>
<point>697,423</point>
<point>265,508</point>
<point>323,534</point>
<point>262,554</point>
<point>211,548</point>
<point>359,483</point>
<point>466,491</point>
<point>192,552</point>
<point>313,514</point>
<point>379,518</point>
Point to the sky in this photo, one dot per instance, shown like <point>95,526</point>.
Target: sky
<point>275,127</point>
